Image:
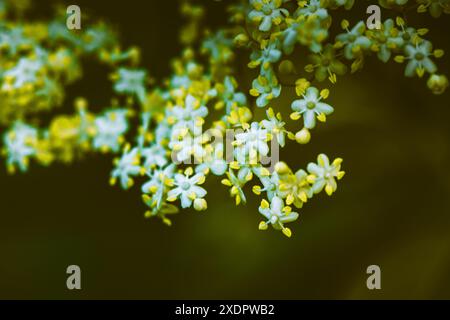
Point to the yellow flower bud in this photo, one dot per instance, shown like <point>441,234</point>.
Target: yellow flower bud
<point>200,204</point>
<point>303,136</point>
<point>437,83</point>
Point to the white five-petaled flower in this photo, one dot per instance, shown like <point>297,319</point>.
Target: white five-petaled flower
<point>159,179</point>
<point>419,60</point>
<point>154,155</point>
<point>277,215</point>
<point>25,72</point>
<point>187,189</point>
<point>354,40</point>
<point>275,126</point>
<point>310,107</point>
<point>267,12</point>
<point>325,174</point>
<point>213,161</point>
<point>251,143</point>
<point>131,82</point>
<point>126,167</point>
<point>268,55</point>
<point>189,114</point>
<point>109,129</point>
<point>186,143</point>
<point>227,94</point>
<point>313,8</point>
<point>271,185</point>
<point>19,145</point>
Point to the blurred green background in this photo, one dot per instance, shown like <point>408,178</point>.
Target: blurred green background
<point>391,209</point>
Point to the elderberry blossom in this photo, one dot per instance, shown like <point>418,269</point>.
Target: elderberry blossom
<point>387,40</point>
<point>419,61</point>
<point>266,13</point>
<point>327,65</point>
<point>109,130</point>
<point>251,144</point>
<point>264,58</point>
<point>174,134</point>
<point>154,155</point>
<point>312,8</point>
<point>187,189</point>
<point>311,107</point>
<point>354,41</point>
<point>131,82</point>
<point>25,73</point>
<point>189,114</point>
<point>277,215</point>
<point>19,146</point>
<point>127,166</point>
<point>325,174</point>
<point>227,95</point>
<point>274,124</point>
<point>265,90</point>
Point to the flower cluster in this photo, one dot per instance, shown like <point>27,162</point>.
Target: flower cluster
<point>184,124</point>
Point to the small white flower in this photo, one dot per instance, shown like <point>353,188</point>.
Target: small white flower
<point>326,174</point>
<point>154,155</point>
<point>187,189</point>
<point>213,161</point>
<point>25,72</point>
<point>190,113</point>
<point>271,185</point>
<point>19,145</point>
<point>277,215</point>
<point>251,143</point>
<point>131,82</point>
<point>275,126</point>
<point>126,167</point>
<point>186,143</point>
<point>419,60</point>
<point>310,107</point>
<point>159,180</point>
<point>109,128</point>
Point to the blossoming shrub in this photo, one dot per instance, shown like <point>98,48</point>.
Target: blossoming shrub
<point>170,138</point>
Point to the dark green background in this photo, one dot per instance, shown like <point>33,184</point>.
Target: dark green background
<point>392,208</point>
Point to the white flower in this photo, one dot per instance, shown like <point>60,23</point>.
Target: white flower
<point>275,126</point>
<point>154,155</point>
<point>187,189</point>
<point>19,145</point>
<point>267,12</point>
<point>159,180</point>
<point>185,144</point>
<point>213,161</point>
<point>277,215</point>
<point>227,94</point>
<point>325,174</point>
<point>251,143</point>
<point>109,129</point>
<point>419,60</point>
<point>271,184</point>
<point>313,8</point>
<point>190,113</point>
<point>131,82</point>
<point>128,165</point>
<point>310,106</point>
<point>25,72</point>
